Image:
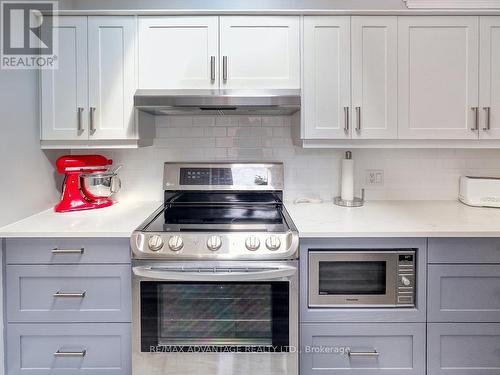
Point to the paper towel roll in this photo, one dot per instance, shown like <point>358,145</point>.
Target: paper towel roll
<point>347,187</point>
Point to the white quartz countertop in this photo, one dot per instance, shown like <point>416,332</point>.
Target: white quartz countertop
<point>313,220</point>
<point>395,219</point>
<point>119,220</point>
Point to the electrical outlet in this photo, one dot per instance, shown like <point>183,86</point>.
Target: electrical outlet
<point>374,177</point>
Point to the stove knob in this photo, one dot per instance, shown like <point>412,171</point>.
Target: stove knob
<point>273,243</point>
<point>252,243</point>
<point>214,243</point>
<point>155,243</point>
<point>175,243</point>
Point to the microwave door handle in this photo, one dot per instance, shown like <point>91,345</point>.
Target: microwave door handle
<point>157,273</point>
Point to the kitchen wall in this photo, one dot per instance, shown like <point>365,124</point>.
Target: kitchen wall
<point>27,183</point>
<point>408,174</point>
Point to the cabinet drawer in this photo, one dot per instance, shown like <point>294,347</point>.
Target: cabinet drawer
<point>68,250</point>
<point>78,293</point>
<point>463,293</point>
<point>464,250</point>
<point>352,349</point>
<point>463,349</point>
<point>91,349</point>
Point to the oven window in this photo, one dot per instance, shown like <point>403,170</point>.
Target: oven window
<point>217,316</point>
<point>352,278</point>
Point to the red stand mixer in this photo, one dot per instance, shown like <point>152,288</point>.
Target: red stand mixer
<point>89,182</point>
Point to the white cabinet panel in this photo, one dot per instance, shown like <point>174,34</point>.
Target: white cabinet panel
<point>64,90</point>
<point>111,77</point>
<point>438,77</point>
<point>260,52</point>
<point>489,95</point>
<point>374,77</point>
<point>326,80</point>
<point>178,52</point>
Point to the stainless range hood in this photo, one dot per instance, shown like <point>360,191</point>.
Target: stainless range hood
<point>217,102</point>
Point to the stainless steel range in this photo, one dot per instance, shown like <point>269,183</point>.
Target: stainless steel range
<point>215,274</point>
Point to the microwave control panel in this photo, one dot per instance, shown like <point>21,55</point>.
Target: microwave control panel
<point>406,279</point>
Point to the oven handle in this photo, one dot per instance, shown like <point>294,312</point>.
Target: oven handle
<point>156,273</point>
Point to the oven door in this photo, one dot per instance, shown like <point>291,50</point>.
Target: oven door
<point>352,279</point>
<point>215,318</point>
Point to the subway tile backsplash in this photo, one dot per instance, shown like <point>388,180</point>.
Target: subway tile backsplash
<point>409,174</point>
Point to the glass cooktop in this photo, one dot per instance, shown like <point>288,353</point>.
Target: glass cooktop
<point>208,212</point>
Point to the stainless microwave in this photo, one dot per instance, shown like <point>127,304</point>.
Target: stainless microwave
<point>359,278</point>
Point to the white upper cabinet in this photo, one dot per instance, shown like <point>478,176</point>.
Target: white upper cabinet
<point>260,52</point>
<point>326,78</point>
<point>438,60</point>
<point>489,95</point>
<point>88,101</point>
<point>64,101</point>
<point>111,57</point>
<point>178,52</point>
<point>374,43</point>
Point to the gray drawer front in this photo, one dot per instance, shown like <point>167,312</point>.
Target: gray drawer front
<point>95,250</point>
<point>325,347</point>
<point>463,349</point>
<point>464,250</point>
<point>464,293</point>
<point>30,293</point>
<point>31,348</point>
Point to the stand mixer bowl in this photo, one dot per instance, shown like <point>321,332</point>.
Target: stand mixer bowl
<point>100,185</point>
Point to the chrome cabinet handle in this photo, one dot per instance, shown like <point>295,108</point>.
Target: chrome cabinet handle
<point>61,353</point>
<point>80,123</point>
<point>69,295</point>
<point>346,119</point>
<point>488,118</point>
<point>68,251</point>
<point>92,125</point>
<point>358,118</point>
<point>476,119</point>
<point>212,68</point>
<point>364,354</point>
<point>224,68</point>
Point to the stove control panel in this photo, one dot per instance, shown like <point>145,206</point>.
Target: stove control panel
<point>215,246</point>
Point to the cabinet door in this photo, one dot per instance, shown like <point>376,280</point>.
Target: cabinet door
<point>260,52</point>
<point>363,349</point>
<point>64,106</point>
<point>326,83</point>
<point>178,52</point>
<point>374,43</point>
<point>438,77</point>
<point>489,76</point>
<point>463,293</point>
<point>463,349</point>
<point>111,77</point>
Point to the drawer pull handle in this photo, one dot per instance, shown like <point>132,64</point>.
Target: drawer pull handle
<point>60,353</point>
<point>69,295</point>
<point>68,251</point>
<point>364,354</point>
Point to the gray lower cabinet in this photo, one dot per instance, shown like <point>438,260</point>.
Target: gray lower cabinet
<point>68,293</point>
<point>463,293</point>
<point>68,306</point>
<point>463,349</point>
<point>68,349</point>
<point>363,348</point>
